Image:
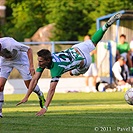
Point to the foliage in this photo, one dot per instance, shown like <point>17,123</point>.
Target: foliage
<point>73,18</point>
<point>27,17</point>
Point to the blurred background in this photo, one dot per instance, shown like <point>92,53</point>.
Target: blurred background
<point>53,24</point>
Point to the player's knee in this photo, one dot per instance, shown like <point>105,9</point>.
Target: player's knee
<point>70,73</point>
<point>74,72</point>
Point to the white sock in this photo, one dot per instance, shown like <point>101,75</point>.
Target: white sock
<point>104,27</point>
<point>0,112</point>
<point>37,90</point>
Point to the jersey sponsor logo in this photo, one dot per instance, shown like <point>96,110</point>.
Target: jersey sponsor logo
<point>28,73</point>
<point>8,54</point>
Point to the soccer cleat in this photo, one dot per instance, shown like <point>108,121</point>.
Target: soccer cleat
<point>1,116</point>
<point>113,19</point>
<point>41,100</point>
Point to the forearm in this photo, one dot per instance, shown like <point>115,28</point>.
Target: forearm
<point>50,93</point>
<point>30,56</point>
<point>49,97</point>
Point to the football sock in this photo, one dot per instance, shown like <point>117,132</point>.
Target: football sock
<point>99,34</point>
<point>37,90</point>
<point>1,101</point>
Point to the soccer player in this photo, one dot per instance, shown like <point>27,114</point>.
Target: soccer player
<point>120,71</point>
<point>16,55</point>
<point>123,49</point>
<point>92,72</point>
<point>76,59</point>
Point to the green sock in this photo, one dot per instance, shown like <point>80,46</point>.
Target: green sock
<point>99,34</point>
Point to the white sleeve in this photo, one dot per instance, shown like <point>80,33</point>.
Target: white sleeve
<point>117,71</point>
<point>19,46</point>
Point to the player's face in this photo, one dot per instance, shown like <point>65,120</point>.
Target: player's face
<point>122,62</point>
<point>122,39</point>
<point>43,63</point>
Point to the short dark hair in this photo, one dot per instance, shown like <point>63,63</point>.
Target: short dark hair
<point>45,53</point>
<point>123,35</point>
<point>121,58</point>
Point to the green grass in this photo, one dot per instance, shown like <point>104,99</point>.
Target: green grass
<point>69,113</point>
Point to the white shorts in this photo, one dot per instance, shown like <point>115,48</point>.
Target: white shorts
<point>92,71</point>
<point>5,70</point>
<point>84,49</point>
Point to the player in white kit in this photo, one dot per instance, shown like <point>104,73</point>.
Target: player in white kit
<point>16,55</point>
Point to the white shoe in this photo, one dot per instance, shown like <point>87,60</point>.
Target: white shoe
<point>93,89</point>
<point>113,19</point>
<point>88,89</point>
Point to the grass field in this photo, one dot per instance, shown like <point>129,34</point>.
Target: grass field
<point>69,113</point>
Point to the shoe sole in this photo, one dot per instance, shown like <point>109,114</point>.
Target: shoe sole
<point>114,18</point>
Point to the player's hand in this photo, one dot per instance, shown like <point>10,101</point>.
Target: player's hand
<point>22,101</point>
<point>41,112</point>
<point>121,82</point>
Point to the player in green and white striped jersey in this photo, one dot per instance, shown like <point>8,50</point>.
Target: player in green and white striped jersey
<point>76,60</point>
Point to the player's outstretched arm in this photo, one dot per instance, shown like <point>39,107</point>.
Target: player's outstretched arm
<point>32,85</point>
<point>48,99</point>
<point>30,57</point>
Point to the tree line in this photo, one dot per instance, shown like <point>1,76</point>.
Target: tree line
<point>73,19</point>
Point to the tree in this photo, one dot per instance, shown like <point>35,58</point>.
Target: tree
<point>73,18</point>
<point>27,17</point>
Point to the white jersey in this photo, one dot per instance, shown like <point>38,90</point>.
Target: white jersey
<point>117,70</point>
<point>13,51</point>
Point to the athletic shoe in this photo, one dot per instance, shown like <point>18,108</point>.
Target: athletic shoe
<point>113,19</point>
<point>41,100</point>
<point>1,116</point>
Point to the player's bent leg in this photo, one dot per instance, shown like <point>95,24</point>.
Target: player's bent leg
<point>2,84</point>
<point>38,92</point>
<point>25,73</point>
<point>1,102</point>
<point>41,100</point>
<point>99,34</point>
<point>78,71</point>
<point>113,19</point>
<point>74,72</point>
<point>40,96</point>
